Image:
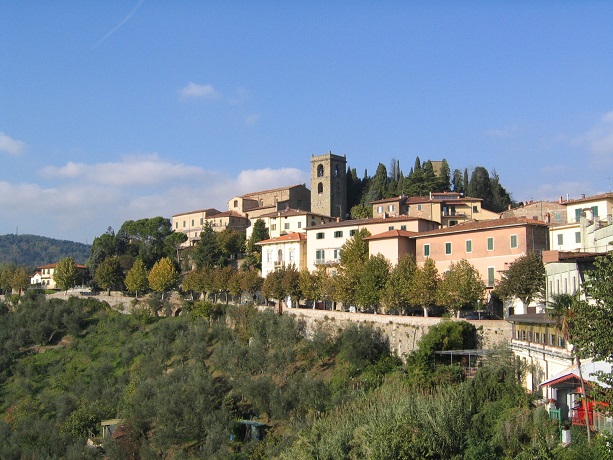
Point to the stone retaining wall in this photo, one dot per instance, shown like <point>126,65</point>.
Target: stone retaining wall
<point>403,332</point>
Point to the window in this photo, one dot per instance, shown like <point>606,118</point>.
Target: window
<point>320,188</point>
<point>338,234</point>
<point>513,241</point>
<point>390,208</point>
<point>523,335</point>
<point>176,224</point>
<point>192,222</point>
<point>202,221</point>
<point>560,239</point>
<point>594,211</point>
<point>403,227</point>
<point>337,254</point>
<point>391,227</point>
<point>537,339</point>
<point>578,215</point>
<point>379,209</point>
<point>447,248</point>
<point>475,209</point>
<point>561,341</point>
<point>577,237</point>
<point>291,255</point>
<point>490,276</point>
<point>336,172</point>
<point>352,232</point>
<point>426,250</point>
<point>286,226</point>
<point>469,246</point>
<point>269,256</point>
<point>552,339</point>
<point>320,170</point>
<point>183,224</point>
<point>490,244</point>
<point>419,207</point>
<point>273,227</point>
<point>319,236</point>
<point>236,203</point>
<point>453,222</point>
<point>319,256</point>
<point>299,224</point>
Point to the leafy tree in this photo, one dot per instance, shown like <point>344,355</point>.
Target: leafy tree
<point>172,244</point>
<point>395,296</point>
<point>19,279</point>
<point>251,282</point>
<point>206,252</point>
<point>353,257</point>
<point>361,211</point>
<point>525,279</point>
<point>424,287</point>
<point>231,243</point>
<point>457,182</point>
<point>147,237</point>
<point>65,274</point>
<point>378,186</point>
<point>589,322</point>
<point>136,278</point>
<point>308,285</point>
<point>373,279</point>
<point>480,185</point>
<point>291,283</point>
<point>163,276</point>
<point>500,199</point>
<point>109,273</point>
<point>259,233</point>
<point>444,177</point>
<point>273,288</point>
<point>460,287</point>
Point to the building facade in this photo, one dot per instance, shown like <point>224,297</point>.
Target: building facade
<point>329,185</point>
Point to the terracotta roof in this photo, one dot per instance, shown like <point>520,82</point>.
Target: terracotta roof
<point>227,214</point>
<point>294,236</point>
<point>484,225</point>
<point>249,195</point>
<point>375,220</point>
<point>602,196</point>
<point>532,318</point>
<point>391,234</point>
<point>207,211</point>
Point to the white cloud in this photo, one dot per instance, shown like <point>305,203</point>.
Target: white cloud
<point>502,132</point>
<point>599,140</point>
<point>252,119</point>
<point>195,90</point>
<point>84,199</point>
<point>10,145</point>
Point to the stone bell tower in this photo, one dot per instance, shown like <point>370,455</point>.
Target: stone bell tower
<point>329,185</point>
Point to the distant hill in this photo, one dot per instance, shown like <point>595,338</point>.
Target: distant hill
<point>33,251</point>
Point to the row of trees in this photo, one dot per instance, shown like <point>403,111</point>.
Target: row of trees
<point>371,282</point>
<point>421,180</point>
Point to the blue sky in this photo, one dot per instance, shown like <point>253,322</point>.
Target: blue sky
<point>117,110</point>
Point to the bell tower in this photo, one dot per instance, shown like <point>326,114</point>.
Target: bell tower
<point>329,185</point>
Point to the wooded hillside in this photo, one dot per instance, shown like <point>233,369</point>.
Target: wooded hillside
<point>32,250</point>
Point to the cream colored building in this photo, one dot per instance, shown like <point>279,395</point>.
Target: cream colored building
<point>446,208</point>
<point>43,277</point>
<point>294,196</point>
<point>291,220</point>
<point>324,242</point>
<point>192,223</point>
<point>282,251</point>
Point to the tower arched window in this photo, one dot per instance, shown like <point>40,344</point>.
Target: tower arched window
<point>320,188</point>
<point>280,255</point>
<point>336,171</point>
<point>320,170</point>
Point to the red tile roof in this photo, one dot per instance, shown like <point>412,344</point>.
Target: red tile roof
<point>392,234</point>
<point>210,211</point>
<point>249,195</point>
<point>602,196</point>
<point>294,236</point>
<point>55,265</point>
<point>484,225</point>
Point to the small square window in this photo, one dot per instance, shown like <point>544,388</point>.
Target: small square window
<point>391,227</point>
<point>286,225</point>
<point>403,227</point>
<point>475,209</point>
<point>319,236</point>
<point>351,232</point>
<point>338,234</point>
<point>273,227</point>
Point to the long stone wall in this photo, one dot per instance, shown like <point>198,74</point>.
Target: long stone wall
<point>403,332</point>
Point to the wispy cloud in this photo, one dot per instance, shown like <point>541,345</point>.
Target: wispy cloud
<point>118,26</point>
<point>10,145</point>
<point>195,90</point>
<point>502,132</point>
<point>600,139</point>
<point>252,119</point>
<point>79,200</point>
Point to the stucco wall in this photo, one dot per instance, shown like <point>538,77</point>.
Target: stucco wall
<point>403,332</point>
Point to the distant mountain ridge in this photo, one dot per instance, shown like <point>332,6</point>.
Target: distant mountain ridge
<point>33,251</point>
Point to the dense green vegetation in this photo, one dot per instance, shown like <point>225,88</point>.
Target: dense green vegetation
<point>32,251</point>
<point>181,384</point>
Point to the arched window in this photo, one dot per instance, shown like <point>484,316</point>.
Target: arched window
<point>261,202</point>
<point>320,170</point>
<point>320,188</point>
<point>336,172</point>
<point>236,203</point>
<point>280,255</point>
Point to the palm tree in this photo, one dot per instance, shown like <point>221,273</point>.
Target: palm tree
<point>561,308</point>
